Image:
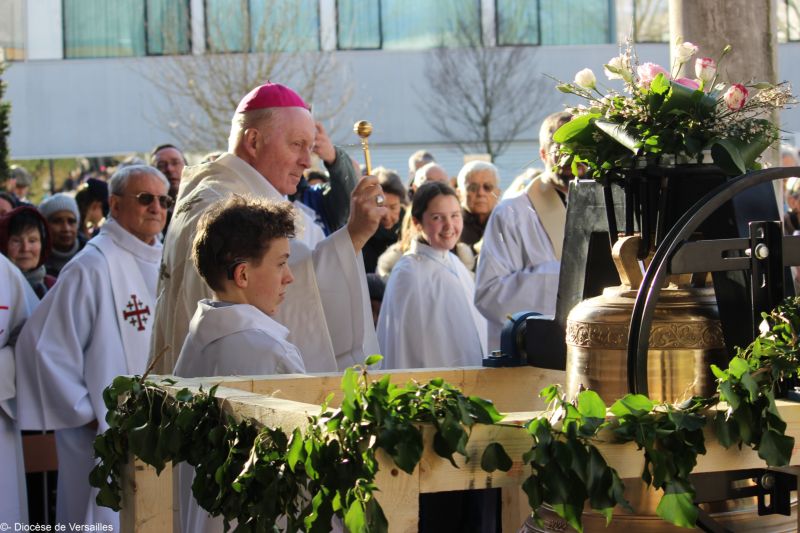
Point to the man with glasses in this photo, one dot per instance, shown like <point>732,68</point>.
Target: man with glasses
<point>478,183</point>
<point>94,325</point>
<point>521,253</point>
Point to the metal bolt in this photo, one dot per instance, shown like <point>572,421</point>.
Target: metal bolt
<point>496,354</point>
<point>767,481</point>
<point>761,251</point>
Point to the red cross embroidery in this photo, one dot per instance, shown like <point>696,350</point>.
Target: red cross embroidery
<point>135,314</point>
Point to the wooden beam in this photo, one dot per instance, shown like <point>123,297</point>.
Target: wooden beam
<point>511,389</point>
<point>398,495</point>
<point>146,499</point>
<point>147,502</point>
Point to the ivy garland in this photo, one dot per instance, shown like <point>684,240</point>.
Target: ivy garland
<point>254,476</point>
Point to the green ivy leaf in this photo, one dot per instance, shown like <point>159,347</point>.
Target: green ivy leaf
<point>677,506</point>
<point>350,388</point>
<point>373,359</point>
<point>590,405</point>
<point>184,395</point>
<point>355,519</point>
<point>775,448</point>
<point>738,367</point>
<point>495,458</point>
<point>295,449</point>
<point>635,404</point>
<point>485,411</point>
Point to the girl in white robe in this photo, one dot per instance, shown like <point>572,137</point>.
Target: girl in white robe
<point>427,317</point>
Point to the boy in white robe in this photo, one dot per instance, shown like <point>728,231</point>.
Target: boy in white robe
<point>92,326</point>
<point>241,251</point>
<point>17,302</point>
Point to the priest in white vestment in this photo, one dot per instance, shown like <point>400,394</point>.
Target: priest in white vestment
<point>93,325</point>
<point>427,317</point>
<point>520,259</point>
<point>17,302</point>
<point>327,309</point>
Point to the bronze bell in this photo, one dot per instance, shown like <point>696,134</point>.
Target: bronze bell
<point>686,336</point>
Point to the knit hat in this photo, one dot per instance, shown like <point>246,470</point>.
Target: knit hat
<point>59,202</point>
<point>270,95</point>
<point>23,177</point>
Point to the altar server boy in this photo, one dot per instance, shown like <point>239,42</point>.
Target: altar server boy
<point>241,250</point>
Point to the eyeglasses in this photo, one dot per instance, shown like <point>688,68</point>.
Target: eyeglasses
<point>475,187</point>
<point>146,198</point>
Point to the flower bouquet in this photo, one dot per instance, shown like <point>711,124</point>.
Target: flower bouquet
<point>664,118</point>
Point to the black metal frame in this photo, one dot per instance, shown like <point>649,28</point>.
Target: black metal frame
<point>686,225</point>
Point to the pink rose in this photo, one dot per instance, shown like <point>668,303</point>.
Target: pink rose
<point>647,72</point>
<point>687,82</point>
<point>705,68</point>
<point>735,96</point>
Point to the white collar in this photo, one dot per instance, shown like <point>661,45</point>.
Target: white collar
<point>256,181</point>
<point>131,243</point>
<point>426,250</point>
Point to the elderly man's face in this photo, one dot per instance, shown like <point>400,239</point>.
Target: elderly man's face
<point>283,148</point>
<point>170,162</point>
<point>481,192</point>
<point>143,220</point>
<point>437,174</point>
<point>63,226</point>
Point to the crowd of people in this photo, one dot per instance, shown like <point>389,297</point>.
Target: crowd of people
<point>252,262</point>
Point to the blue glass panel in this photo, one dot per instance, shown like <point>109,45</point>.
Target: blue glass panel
<point>284,25</point>
<point>517,22</point>
<point>575,21</point>
<point>167,27</point>
<point>358,24</point>
<point>227,25</point>
<point>100,28</point>
<point>420,24</point>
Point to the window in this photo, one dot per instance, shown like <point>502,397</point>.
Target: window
<point>576,21</point>
<point>651,21</point>
<point>167,27</point>
<point>788,20</point>
<point>521,22</point>
<point>517,22</point>
<point>262,25</point>
<point>12,40</point>
<point>125,28</point>
<point>407,24</point>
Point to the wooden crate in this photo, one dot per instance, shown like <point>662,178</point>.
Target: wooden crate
<point>149,502</point>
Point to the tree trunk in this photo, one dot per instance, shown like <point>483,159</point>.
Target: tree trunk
<point>749,26</point>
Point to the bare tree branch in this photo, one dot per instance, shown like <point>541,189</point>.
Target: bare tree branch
<point>201,92</point>
<point>482,98</point>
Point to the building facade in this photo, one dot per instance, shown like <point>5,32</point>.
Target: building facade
<point>92,77</point>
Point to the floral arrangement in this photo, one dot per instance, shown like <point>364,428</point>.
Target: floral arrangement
<point>663,114</point>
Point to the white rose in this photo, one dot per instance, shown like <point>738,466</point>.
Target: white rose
<point>684,51</point>
<point>617,68</point>
<point>585,78</point>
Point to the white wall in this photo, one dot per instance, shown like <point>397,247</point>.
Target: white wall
<point>107,106</point>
